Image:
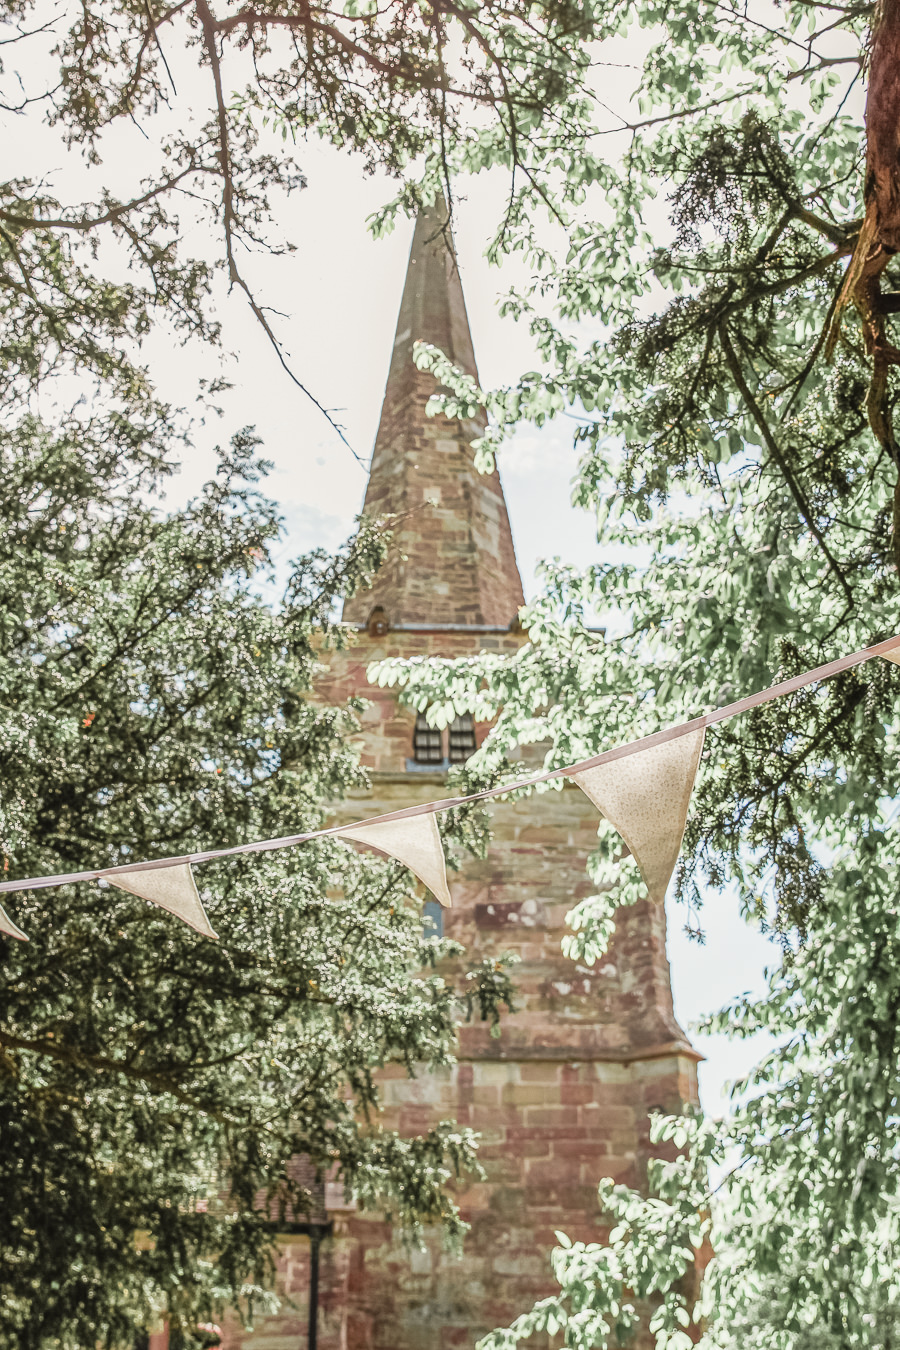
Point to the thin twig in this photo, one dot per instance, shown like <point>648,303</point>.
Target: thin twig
<point>159,46</point>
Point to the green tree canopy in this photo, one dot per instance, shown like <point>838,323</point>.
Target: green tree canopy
<point>737,395</point>
<point>400,84</point>
<point>154,701</point>
<point>731,261</point>
<point>151,1081</point>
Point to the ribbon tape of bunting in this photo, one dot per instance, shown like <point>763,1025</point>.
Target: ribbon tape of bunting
<point>643,789</point>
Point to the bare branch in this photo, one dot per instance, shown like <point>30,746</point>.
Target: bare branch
<point>235,277</point>
<point>113,216</point>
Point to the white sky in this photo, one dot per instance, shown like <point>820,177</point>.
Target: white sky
<point>340,291</point>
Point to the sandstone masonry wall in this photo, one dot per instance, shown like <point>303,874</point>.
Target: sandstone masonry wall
<point>561,1099</point>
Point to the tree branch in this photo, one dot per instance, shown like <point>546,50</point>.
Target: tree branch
<point>210,28</point>
<point>252,18</point>
<point>110,217</point>
<point>80,1059</point>
<point>779,457</point>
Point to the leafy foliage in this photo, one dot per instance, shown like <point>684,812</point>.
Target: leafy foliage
<point>393,82</point>
<point>604,1287</point>
<point>154,1085</point>
<point>745,487</point>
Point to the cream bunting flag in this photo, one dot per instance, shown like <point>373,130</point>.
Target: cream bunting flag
<point>415,842</point>
<point>172,888</point>
<point>9,928</point>
<point>893,656</point>
<point>646,797</point>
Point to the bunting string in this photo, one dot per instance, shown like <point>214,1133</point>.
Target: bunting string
<point>645,801</point>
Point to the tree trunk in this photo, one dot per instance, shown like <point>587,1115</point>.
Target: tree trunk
<point>879,236</point>
<point>882,192</point>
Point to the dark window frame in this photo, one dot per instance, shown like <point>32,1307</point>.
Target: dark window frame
<point>461,739</point>
<point>428,742</point>
<point>431,745</point>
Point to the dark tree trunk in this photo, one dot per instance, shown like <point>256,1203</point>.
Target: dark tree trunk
<point>879,236</point>
<point>883,127</point>
<point>882,198</point>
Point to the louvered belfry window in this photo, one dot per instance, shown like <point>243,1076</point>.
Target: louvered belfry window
<point>462,738</point>
<point>428,743</point>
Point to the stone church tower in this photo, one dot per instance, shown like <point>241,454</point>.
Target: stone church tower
<point>561,1098</point>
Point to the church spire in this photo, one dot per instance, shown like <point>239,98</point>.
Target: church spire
<point>452,559</point>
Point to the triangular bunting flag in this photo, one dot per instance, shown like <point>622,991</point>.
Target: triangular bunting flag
<point>11,929</point>
<point>172,888</point>
<point>415,842</point>
<point>646,797</point>
<point>893,656</point>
